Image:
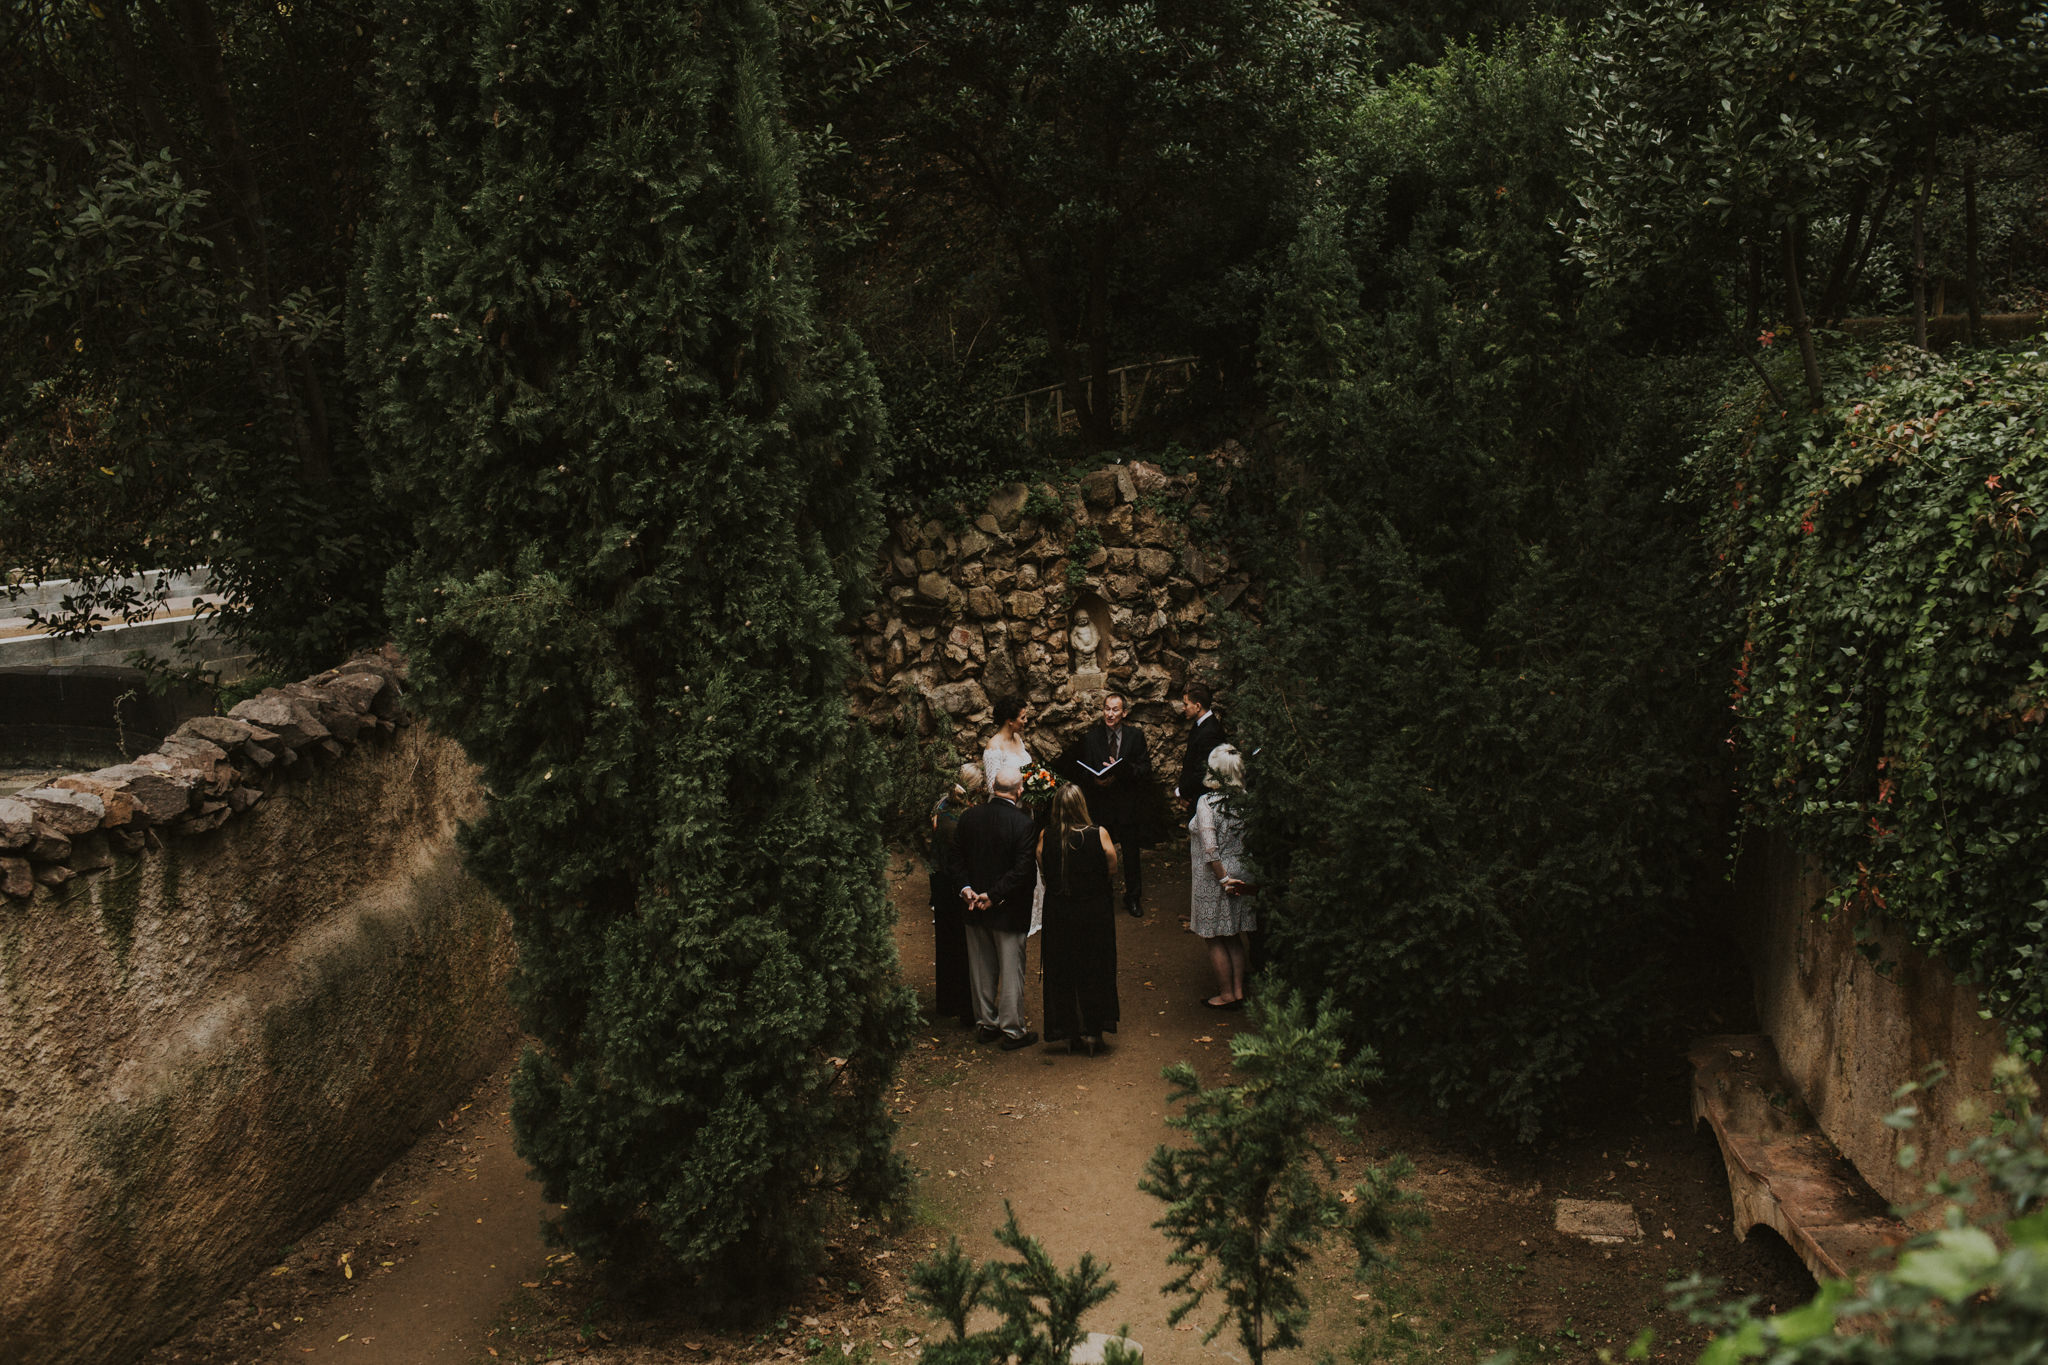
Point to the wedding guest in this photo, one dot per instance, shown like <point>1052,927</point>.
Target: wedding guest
<point>1077,861</point>
<point>1220,911</point>
<point>949,929</point>
<point>996,871</point>
<point>1113,765</point>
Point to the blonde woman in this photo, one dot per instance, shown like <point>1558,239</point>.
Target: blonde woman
<point>1077,867</point>
<point>1219,912</point>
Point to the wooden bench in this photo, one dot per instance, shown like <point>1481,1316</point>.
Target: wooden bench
<point>1783,1173</point>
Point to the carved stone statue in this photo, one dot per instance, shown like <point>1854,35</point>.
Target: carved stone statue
<point>1084,642</point>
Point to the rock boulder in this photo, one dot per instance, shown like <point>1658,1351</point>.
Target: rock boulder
<point>64,812</point>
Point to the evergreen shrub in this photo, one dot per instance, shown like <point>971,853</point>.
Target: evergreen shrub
<point>640,478</point>
<point>1249,1197</point>
<point>1484,773</point>
<point>1038,1307</point>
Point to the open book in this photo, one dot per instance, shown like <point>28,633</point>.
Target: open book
<point>1102,771</point>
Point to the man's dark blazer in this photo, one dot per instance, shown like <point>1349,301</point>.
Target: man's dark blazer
<point>1205,735</point>
<point>1121,804</point>
<point>995,851</point>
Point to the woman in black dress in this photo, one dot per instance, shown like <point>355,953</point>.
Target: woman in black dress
<point>1077,864</point>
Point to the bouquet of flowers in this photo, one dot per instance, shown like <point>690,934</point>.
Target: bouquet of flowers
<point>1039,784</point>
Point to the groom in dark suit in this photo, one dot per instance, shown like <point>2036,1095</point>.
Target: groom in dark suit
<point>1203,736</point>
<point>995,870</point>
<point>1114,768</point>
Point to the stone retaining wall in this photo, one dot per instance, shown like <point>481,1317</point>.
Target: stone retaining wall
<point>982,605</point>
<point>236,977</point>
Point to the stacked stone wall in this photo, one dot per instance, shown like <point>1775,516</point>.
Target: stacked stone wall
<point>981,604</point>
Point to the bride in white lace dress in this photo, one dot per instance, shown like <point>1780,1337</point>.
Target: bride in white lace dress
<point>1006,750</point>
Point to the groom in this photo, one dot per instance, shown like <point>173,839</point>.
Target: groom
<point>995,870</point>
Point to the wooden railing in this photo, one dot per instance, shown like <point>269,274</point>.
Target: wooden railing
<point>1135,384</point>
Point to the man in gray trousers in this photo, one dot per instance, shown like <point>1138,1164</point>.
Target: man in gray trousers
<point>995,865</point>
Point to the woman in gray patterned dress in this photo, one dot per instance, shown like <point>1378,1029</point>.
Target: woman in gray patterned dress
<point>1221,912</point>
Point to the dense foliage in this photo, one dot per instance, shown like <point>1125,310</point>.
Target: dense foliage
<point>1106,178</point>
<point>178,191</point>
<point>638,472</point>
<point>1483,737</point>
<point>1892,686</point>
<point>1767,141</point>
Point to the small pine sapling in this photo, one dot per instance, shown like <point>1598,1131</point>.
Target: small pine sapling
<point>951,1285</point>
<point>1244,1204</point>
<point>1039,1306</point>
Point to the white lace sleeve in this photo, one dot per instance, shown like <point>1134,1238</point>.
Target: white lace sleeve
<point>1205,830</point>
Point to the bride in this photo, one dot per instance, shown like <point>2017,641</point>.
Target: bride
<point>1006,749</point>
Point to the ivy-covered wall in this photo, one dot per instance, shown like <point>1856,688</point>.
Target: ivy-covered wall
<point>1889,688</point>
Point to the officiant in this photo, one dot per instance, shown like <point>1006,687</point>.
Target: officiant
<point>1112,765</point>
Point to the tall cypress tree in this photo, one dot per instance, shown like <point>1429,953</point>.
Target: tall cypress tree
<point>639,480</point>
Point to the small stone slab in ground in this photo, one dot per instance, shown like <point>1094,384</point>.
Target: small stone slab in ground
<point>1090,1349</point>
<point>1606,1222</point>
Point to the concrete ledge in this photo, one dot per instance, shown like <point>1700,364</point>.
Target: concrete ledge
<point>1856,1011</point>
<point>1782,1173</point>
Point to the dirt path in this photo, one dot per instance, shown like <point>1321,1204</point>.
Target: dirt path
<point>1064,1139</point>
<point>476,1224</point>
<point>414,1272</point>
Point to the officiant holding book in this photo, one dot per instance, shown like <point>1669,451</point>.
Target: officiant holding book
<point>1114,768</point>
